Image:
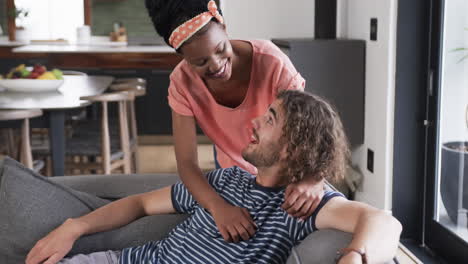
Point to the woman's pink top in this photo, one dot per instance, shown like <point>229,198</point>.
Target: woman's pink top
<point>230,128</point>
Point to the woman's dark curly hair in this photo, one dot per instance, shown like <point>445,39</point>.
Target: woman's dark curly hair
<point>317,146</point>
<point>167,15</point>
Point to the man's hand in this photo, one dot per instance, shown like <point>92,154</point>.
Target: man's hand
<point>234,223</point>
<point>302,198</point>
<point>53,247</point>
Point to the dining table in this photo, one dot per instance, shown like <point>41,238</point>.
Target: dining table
<point>55,105</point>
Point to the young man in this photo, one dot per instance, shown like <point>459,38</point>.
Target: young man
<point>299,135</point>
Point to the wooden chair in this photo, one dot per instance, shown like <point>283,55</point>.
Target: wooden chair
<point>111,158</point>
<point>135,86</point>
<point>88,128</point>
<point>101,146</point>
<point>25,153</point>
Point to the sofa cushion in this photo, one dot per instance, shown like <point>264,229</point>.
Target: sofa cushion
<point>31,206</point>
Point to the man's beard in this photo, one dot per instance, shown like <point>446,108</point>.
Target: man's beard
<point>263,157</point>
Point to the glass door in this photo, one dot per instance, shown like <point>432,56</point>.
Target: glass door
<point>446,213</point>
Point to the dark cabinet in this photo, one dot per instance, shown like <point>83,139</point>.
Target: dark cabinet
<point>334,69</point>
<point>153,111</point>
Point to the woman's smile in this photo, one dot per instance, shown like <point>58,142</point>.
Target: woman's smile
<point>221,73</point>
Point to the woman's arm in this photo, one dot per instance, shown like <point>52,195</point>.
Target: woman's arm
<point>302,198</point>
<point>185,141</point>
<point>233,222</point>
<point>374,231</point>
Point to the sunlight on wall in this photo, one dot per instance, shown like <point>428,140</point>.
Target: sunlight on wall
<point>52,19</point>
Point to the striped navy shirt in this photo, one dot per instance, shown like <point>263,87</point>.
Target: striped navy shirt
<point>197,239</point>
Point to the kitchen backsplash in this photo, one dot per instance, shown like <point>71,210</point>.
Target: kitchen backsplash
<point>132,13</point>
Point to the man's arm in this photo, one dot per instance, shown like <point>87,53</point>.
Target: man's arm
<point>125,211</point>
<point>59,242</point>
<point>374,231</point>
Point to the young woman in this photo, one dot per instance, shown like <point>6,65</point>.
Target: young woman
<point>222,85</point>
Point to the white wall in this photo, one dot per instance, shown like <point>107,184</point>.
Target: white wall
<point>267,19</point>
<point>354,23</point>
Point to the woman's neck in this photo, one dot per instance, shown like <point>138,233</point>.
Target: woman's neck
<point>242,60</point>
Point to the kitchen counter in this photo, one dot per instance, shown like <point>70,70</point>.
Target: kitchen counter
<point>99,44</point>
<point>92,49</point>
<point>4,42</point>
<point>99,54</point>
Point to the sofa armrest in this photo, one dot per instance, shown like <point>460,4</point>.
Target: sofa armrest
<point>319,247</point>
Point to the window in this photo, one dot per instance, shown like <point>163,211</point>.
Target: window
<point>52,19</point>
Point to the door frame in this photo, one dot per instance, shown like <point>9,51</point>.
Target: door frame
<point>412,55</point>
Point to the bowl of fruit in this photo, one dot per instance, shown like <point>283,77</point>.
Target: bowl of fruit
<point>32,79</point>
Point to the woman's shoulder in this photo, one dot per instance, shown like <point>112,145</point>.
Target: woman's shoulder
<point>180,69</point>
<point>266,53</point>
<point>263,47</point>
<point>182,73</point>
<point>269,59</point>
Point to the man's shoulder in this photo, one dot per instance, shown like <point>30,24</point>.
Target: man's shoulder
<point>233,172</point>
<point>327,196</point>
<point>228,176</point>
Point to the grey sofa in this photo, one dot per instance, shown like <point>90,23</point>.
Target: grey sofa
<point>27,214</point>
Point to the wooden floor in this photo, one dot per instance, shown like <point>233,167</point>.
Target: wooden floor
<point>161,158</point>
<point>404,256</point>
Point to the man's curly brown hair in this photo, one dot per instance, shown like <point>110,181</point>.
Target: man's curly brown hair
<point>317,146</point>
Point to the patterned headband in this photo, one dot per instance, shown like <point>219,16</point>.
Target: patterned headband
<point>185,31</point>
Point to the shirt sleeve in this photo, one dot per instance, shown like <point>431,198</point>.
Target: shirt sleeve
<point>182,199</point>
<point>301,229</point>
<point>216,178</point>
<point>289,78</point>
<point>177,98</point>
<point>296,83</point>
